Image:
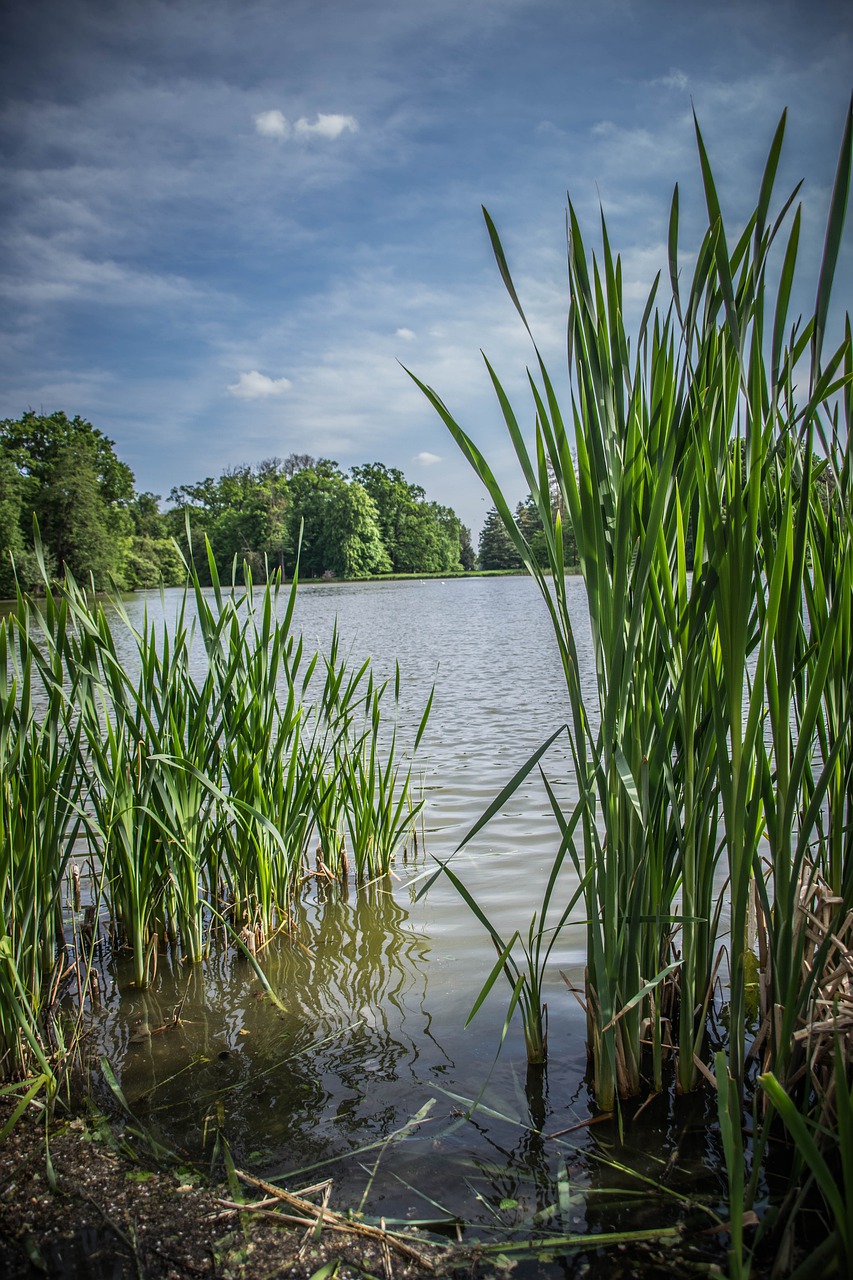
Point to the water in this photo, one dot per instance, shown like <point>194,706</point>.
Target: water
<point>377,988</point>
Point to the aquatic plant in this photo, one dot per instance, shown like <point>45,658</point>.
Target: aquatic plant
<point>40,820</point>
<point>688,474</point>
<point>379,811</point>
<point>705,469</point>
<point>191,762</point>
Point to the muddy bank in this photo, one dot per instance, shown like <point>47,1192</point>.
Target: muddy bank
<point>112,1216</point>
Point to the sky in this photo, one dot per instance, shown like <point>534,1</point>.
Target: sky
<point>227,227</point>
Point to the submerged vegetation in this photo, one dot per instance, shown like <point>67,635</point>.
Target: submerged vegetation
<point>192,767</point>
<point>706,472</point>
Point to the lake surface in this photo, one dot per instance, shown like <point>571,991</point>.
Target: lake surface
<point>377,988</point>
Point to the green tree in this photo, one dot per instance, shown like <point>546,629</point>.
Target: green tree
<point>294,462</point>
<point>153,562</point>
<point>456,537</point>
<point>530,523</point>
<point>148,519</point>
<point>34,442</point>
<point>309,495</point>
<point>467,554</point>
<point>11,535</point>
<point>418,549</point>
<point>496,550</point>
<point>238,537</point>
<point>396,502</point>
<point>351,538</point>
<point>340,531</point>
<point>244,514</point>
<point>419,536</point>
<point>153,559</point>
<point>275,499</point>
<point>194,506</point>
<point>74,519</point>
<point>73,483</point>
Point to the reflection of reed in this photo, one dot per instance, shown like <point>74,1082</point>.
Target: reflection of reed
<point>361,963</point>
<point>365,971</point>
<point>522,1174</point>
<point>664,1172</point>
<point>352,980</point>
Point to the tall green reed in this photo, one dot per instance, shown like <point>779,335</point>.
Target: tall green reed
<point>687,468</point>
<point>380,810</point>
<point>195,758</point>
<point>526,978</point>
<point>40,815</point>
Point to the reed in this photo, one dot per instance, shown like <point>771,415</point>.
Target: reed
<point>526,977</point>
<point>40,787</point>
<point>709,496</point>
<point>380,810</point>
<point>195,759</point>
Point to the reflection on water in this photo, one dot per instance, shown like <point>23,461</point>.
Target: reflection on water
<point>376,988</point>
<point>338,1063</point>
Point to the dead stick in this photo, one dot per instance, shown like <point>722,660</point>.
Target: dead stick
<point>331,1219</point>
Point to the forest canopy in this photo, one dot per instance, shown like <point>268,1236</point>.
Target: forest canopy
<point>64,475</point>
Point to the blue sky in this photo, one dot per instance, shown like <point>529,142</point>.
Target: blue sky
<point>224,224</point>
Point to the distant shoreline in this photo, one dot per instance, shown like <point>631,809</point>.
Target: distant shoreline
<point>572,572</point>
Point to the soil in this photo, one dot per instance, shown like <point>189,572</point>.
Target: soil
<point>113,1217</point>
<point>112,1212</point>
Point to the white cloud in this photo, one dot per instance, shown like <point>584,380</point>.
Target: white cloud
<point>325,126</point>
<point>257,386</point>
<point>427,459</point>
<point>675,80</point>
<point>406,334</point>
<point>272,124</point>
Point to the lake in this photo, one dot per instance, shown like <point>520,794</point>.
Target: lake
<point>377,987</point>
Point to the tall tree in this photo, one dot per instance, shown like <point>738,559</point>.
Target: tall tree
<point>275,499</point>
<point>295,462</point>
<point>353,546</point>
<point>455,536</point>
<point>530,523</point>
<point>74,518</point>
<point>340,531</point>
<point>153,559</point>
<point>11,533</point>
<point>34,441</point>
<point>496,550</point>
<point>396,501</point>
<point>467,554</point>
<point>244,514</point>
<point>419,536</point>
<point>72,481</point>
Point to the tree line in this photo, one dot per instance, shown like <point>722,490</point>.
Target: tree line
<point>65,475</point>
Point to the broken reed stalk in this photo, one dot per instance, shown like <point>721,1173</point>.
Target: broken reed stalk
<point>313,1214</point>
